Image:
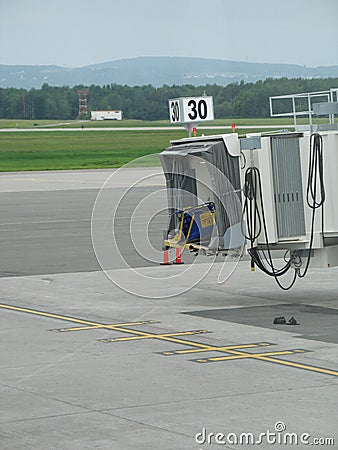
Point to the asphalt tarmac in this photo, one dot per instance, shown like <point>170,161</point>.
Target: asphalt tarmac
<point>46,232</point>
<point>150,357</point>
<point>49,231</point>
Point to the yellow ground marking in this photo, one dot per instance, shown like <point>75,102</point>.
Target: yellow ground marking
<point>170,338</point>
<point>91,324</point>
<point>46,314</point>
<point>108,326</point>
<point>63,330</point>
<point>301,366</point>
<point>165,337</point>
<point>154,336</point>
<point>216,349</point>
<point>268,357</point>
<point>247,355</point>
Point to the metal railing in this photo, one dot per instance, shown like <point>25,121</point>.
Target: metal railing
<point>301,105</point>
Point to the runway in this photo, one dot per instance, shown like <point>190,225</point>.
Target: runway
<point>88,363</point>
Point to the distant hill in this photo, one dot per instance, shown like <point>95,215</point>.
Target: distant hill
<point>156,71</point>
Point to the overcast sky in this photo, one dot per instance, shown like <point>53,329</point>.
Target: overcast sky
<point>82,32</point>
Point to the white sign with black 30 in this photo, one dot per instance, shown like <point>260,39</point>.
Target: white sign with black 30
<point>191,109</point>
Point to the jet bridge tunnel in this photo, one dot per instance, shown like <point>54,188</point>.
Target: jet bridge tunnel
<point>257,194</point>
<point>203,184</point>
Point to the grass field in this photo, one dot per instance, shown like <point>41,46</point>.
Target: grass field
<point>57,150</point>
<point>78,150</point>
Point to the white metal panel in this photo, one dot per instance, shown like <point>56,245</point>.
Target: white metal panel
<point>288,188</point>
<point>265,167</point>
<point>330,154</point>
<point>232,143</point>
<point>325,257</point>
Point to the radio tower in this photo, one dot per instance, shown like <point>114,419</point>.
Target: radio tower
<point>83,107</point>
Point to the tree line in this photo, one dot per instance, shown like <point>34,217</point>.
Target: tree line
<point>151,103</point>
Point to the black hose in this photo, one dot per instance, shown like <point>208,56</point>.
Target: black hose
<point>255,214</point>
<point>315,178</point>
<point>255,222</point>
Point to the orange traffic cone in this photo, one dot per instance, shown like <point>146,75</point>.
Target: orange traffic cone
<point>178,259</point>
<point>165,258</point>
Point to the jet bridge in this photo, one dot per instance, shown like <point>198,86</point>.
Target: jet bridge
<point>264,194</point>
<point>198,173</point>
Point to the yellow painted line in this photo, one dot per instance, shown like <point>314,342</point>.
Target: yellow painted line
<point>169,337</point>
<point>108,326</point>
<point>302,366</point>
<point>116,327</point>
<point>216,349</point>
<point>163,337</point>
<point>46,314</point>
<point>64,330</point>
<point>154,336</point>
<point>267,358</point>
<point>247,356</point>
<point>166,337</point>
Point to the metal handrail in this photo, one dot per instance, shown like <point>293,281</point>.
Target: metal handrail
<point>331,95</point>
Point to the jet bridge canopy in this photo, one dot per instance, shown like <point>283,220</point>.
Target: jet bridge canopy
<point>202,170</point>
